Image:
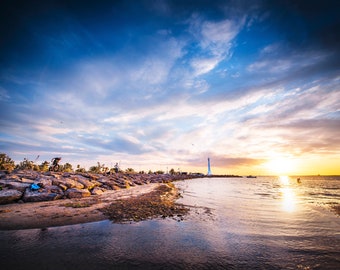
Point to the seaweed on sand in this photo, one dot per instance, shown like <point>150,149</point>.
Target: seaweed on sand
<point>158,203</point>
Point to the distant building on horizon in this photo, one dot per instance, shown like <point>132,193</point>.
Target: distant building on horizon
<point>209,169</point>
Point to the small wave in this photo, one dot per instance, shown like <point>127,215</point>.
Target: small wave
<point>263,194</point>
<point>324,194</point>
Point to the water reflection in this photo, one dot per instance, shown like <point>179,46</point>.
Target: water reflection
<point>284,179</point>
<point>288,199</point>
<point>262,223</point>
<point>288,194</point>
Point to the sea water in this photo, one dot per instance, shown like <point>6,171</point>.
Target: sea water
<point>234,223</point>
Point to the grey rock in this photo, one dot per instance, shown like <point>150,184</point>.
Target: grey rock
<point>67,182</point>
<point>9,196</point>
<point>85,182</point>
<point>3,174</point>
<point>27,180</point>
<point>55,189</point>
<point>39,196</point>
<point>18,186</point>
<point>45,181</point>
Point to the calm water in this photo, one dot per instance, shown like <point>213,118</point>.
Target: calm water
<point>234,223</point>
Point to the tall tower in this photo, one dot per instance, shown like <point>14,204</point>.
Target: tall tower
<point>209,170</point>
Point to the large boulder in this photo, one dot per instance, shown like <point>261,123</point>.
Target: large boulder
<point>3,174</point>
<point>40,195</point>
<point>12,177</point>
<point>9,195</point>
<point>138,180</point>
<point>56,175</point>
<point>27,180</point>
<point>27,175</point>
<point>93,176</point>
<point>55,189</point>
<point>69,183</point>
<point>18,186</point>
<point>97,191</point>
<point>109,183</point>
<point>45,181</point>
<point>119,184</point>
<point>85,182</point>
<point>77,193</point>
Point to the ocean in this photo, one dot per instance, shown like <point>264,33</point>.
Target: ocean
<point>234,223</point>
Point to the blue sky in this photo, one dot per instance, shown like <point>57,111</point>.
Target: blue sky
<point>254,85</point>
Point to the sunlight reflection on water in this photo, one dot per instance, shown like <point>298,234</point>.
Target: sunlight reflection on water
<point>288,199</point>
<point>288,194</point>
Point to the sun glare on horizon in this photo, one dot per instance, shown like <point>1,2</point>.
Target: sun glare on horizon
<point>281,166</point>
<point>284,179</point>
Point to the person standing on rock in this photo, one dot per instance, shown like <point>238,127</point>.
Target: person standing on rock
<point>116,168</point>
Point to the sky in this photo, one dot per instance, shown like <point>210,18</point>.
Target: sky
<point>156,85</point>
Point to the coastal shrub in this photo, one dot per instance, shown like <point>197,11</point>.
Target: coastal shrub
<point>172,171</point>
<point>67,167</point>
<point>80,170</point>
<point>44,166</point>
<point>94,169</point>
<point>6,163</point>
<point>130,170</point>
<point>100,168</point>
<point>27,165</point>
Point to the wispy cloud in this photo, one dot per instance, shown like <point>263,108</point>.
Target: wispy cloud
<point>215,41</point>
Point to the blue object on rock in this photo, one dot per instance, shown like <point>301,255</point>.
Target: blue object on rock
<point>34,187</point>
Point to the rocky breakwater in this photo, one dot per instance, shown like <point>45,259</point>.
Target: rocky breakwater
<point>31,186</point>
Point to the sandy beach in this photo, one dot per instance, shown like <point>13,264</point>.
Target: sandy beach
<point>64,212</point>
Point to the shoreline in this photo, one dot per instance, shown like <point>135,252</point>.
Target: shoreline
<point>30,199</point>
<point>40,215</point>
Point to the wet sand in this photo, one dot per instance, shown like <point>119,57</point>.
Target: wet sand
<point>67,211</point>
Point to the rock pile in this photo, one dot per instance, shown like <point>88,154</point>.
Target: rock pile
<point>32,186</point>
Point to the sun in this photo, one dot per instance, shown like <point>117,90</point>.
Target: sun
<point>281,166</point>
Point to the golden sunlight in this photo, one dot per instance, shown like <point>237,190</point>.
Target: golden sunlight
<point>288,194</point>
<point>284,179</point>
<point>281,166</point>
